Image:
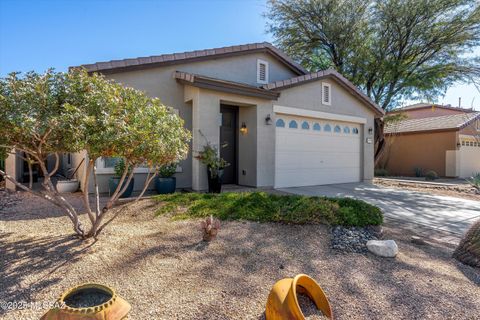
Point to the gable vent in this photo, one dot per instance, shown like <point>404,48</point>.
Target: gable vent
<point>262,71</point>
<point>326,94</point>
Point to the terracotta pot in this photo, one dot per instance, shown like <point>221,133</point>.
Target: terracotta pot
<point>115,308</point>
<point>282,303</point>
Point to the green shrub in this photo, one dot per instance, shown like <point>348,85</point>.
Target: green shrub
<point>168,170</point>
<point>120,168</point>
<point>266,207</point>
<point>357,213</point>
<point>431,175</point>
<point>475,181</point>
<point>381,172</point>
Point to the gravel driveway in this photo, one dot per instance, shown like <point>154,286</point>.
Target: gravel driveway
<point>410,208</point>
<point>165,271</point>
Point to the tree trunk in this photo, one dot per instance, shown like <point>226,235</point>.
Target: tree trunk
<point>30,174</point>
<point>379,140</point>
<point>468,251</point>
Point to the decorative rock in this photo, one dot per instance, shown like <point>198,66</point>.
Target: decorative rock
<point>351,239</point>
<point>383,248</point>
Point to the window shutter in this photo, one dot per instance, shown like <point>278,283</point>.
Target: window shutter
<point>262,71</point>
<point>326,94</point>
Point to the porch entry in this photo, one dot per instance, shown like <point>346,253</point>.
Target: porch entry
<point>229,136</point>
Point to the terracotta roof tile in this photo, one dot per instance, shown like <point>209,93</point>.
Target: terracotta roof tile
<point>448,122</point>
<point>107,66</point>
<point>423,105</point>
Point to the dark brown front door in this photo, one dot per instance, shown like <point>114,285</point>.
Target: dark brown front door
<point>228,135</point>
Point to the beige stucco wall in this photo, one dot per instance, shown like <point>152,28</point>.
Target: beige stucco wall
<point>206,117</point>
<point>159,82</point>
<point>13,167</point>
<point>421,150</point>
<point>200,108</point>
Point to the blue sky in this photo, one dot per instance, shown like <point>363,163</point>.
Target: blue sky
<point>36,35</point>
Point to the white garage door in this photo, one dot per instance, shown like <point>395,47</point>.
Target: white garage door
<point>469,154</point>
<point>315,151</point>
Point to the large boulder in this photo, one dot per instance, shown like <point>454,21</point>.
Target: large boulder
<point>383,248</point>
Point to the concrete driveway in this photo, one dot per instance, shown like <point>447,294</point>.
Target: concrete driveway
<point>410,208</point>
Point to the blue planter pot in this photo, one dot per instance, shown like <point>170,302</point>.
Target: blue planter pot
<point>113,183</point>
<point>166,185</point>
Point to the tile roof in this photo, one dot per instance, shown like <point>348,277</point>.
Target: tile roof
<point>288,83</point>
<point>201,81</point>
<point>183,57</point>
<point>423,105</point>
<point>273,89</point>
<point>442,123</point>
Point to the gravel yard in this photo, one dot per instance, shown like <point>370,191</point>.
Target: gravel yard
<point>459,190</point>
<point>164,270</point>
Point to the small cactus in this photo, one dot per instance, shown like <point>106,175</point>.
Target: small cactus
<point>210,227</point>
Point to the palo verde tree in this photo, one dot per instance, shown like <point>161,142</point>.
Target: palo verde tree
<point>392,49</point>
<point>48,114</point>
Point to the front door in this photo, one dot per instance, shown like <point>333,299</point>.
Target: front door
<point>228,136</point>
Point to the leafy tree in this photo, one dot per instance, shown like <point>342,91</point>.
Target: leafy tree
<point>49,114</point>
<point>391,49</point>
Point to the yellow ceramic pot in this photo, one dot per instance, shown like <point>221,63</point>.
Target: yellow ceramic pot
<point>282,303</point>
<point>115,308</point>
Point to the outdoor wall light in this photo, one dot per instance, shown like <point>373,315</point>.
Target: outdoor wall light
<point>370,130</point>
<point>243,129</point>
<point>268,120</point>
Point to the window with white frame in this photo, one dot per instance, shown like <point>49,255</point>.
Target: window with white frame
<point>110,162</point>
<point>326,93</point>
<point>262,71</point>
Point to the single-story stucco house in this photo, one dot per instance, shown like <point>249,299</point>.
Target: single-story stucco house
<point>444,139</point>
<point>298,128</point>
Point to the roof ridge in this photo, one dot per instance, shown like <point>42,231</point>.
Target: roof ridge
<point>176,57</point>
<point>437,123</point>
<point>286,83</point>
<point>422,105</point>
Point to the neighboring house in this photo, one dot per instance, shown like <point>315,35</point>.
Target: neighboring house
<point>427,110</point>
<point>434,137</point>
<point>298,128</point>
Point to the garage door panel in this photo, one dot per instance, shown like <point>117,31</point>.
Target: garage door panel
<point>323,142</point>
<point>469,161</point>
<point>307,157</point>
<point>305,177</point>
<point>315,160</point>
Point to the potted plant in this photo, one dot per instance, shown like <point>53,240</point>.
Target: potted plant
<point>166,183</point>
<point>115,180</point>
<point>209,156</point>
<point>69,185</point>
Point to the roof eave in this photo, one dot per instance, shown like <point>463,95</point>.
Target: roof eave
<point>117,66</point>
<point>200,81</point>
<point>422,131</point>
<point>280,85</point>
